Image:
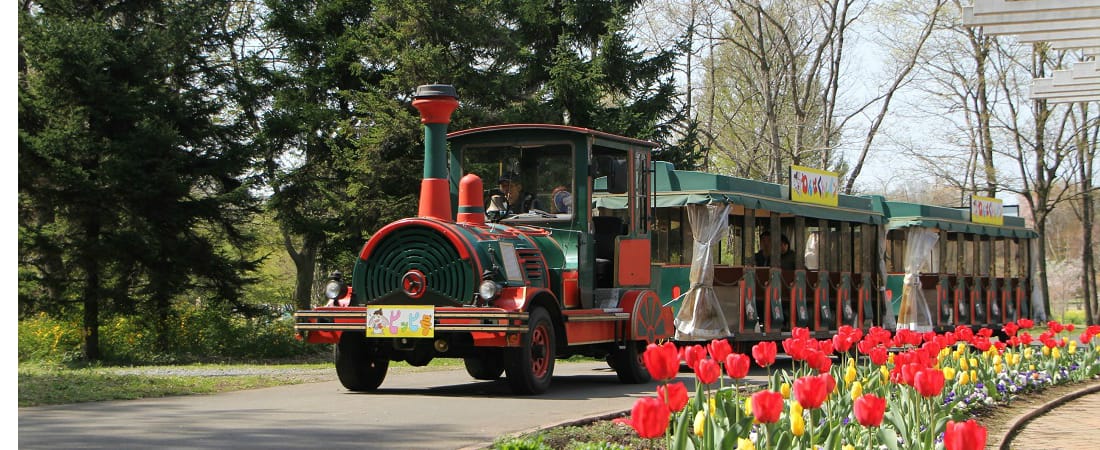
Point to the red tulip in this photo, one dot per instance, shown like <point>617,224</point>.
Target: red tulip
<point>967,435</point>
<point>766,406</point>
<point>719,349</point>
<point>737,365</point>
<point>879,355</point>
<point>675,395</point>
<point>1054,326</point>
<point>662,361</point>
<point>1025,323</point>
<point>707,370</point>
<point>869,410</point>
<point>1070,327</point>
<point>819,361</point>
<point>1010,329</point>
<point>811,391</point>
<point>694,353</point>
<point>764,353</point>
<point>649,417</point>
<point>929,382</point>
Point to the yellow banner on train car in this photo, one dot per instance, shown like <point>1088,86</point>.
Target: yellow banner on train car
<point>408,321</point>
<point>987,210</point>
<point>814,186</point>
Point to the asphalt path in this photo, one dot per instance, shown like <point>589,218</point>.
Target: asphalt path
<point>426,410</point>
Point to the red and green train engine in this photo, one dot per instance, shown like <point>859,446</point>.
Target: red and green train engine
<point>507,287</point>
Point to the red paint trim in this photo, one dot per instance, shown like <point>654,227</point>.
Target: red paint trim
<point>570,289</point>
<point>633,262</point>
<point>435,109</point>
<point>566,128</point>
<point>435,199</point>
<point>469,196</point>
<point>443,228</point>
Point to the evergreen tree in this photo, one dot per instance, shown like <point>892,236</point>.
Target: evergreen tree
<point>130,164</point>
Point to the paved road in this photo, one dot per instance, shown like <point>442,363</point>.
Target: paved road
<point>437,410</point>
<point>1072,426</point>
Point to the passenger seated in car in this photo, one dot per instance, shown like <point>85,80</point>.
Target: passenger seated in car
<point>786,255</point>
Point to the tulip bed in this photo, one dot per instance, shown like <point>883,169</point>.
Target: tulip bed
<point>855,390</point>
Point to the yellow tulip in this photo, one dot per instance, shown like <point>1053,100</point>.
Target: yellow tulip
<point>748,405</point>
<point>974,375</point>
<point>1056,352</point>
<point>890,359</point>
<point>785,389</point>
<point>974,362</point>
<point>712,407</point>
<point>849,375</point>
<point>1046,351</point>
<point>885,373</point>
<point>963,364</point>
<point>700,423</point>
<point>960,347</point>
<point>964,379</point>
<point>848,447</point>
<point>798,425</point>
<point>745,444</point>
<point>857,390</point>
<point>1072,347</point>
<point>949,373</point>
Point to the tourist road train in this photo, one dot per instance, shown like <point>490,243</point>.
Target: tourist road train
<point>649,254</point>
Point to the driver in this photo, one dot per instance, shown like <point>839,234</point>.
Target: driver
<point>516,200</point>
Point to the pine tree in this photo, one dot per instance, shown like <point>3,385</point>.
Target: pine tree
<point>130,167</point>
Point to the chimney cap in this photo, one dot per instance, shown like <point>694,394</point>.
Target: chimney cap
<point>435,90</point>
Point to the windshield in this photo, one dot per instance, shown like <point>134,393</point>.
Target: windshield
<point>532,180</point>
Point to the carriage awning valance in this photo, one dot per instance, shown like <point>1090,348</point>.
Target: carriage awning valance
<point>683,198</point>
<point>955,226</point>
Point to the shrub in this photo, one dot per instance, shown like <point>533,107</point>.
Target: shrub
<point>192,333</point>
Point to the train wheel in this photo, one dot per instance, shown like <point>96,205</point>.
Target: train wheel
<point>628,363</point>
<point>531,366</point>
<point>485,366</point>
<point>357,364</point>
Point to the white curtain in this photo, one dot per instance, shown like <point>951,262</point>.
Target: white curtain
<point>700,316</point>
<point>913,313</point>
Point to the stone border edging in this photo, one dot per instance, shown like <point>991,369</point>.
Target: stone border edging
<point>1022,420</point>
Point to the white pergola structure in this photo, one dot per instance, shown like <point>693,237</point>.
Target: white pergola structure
<point>1065,24</point>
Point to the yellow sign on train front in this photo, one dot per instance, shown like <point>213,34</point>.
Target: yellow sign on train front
<point>407,321</point>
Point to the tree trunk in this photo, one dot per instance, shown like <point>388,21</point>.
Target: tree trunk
<point>305,263</point>
<point>1085,154</point>
<point>90,265</point>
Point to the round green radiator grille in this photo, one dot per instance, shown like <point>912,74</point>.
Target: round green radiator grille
<point>421,249</point>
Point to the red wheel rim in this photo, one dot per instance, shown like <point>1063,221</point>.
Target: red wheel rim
<point>540,351</point>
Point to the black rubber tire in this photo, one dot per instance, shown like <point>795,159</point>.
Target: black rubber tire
<point>628,363</point>
<point>358,368</point>
<point>486,366</point>
<point>530,366</point>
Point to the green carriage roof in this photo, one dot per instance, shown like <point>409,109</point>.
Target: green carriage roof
<point>956,220</point>
<point>675,188</point>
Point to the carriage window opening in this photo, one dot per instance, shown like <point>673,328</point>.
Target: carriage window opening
<point>952,253</point>
<point>810,254</point>
<point>969,255</point>
<point>667,236</point>
<point>857,248</point>
<point>732,249</point>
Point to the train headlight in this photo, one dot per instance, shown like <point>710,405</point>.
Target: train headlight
<point>335,288</point>
<point>489,290</point>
